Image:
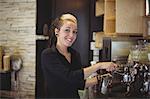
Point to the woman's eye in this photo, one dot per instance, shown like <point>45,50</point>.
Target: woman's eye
<point>75,32</point>
<point>67,30</point>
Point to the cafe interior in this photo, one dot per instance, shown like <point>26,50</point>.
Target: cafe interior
<point>108,30</point>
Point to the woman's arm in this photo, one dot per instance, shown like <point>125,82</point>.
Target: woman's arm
<point>109,66</point>
<point>91,81</point>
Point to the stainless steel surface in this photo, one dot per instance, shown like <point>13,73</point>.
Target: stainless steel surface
<point>117,48</point>
<point>121,48</point>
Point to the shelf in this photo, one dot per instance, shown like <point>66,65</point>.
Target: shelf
<point>129,17</point>
<point>122,18</point>
<point>110,0</point>
<point>15,94</point>
<point>99,7</point>
<point>109,26</point>
<point>129,34</point>
<point>146,16</point>
<point>2,72</point>
<point>110,18</point>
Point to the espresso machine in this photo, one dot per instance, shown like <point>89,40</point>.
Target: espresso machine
<point>132,76</point>
<point>126,81</point>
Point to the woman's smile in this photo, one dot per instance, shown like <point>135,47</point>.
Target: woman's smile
<point>67,34</point>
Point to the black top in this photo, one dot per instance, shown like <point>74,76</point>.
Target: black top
<point>63,79</point>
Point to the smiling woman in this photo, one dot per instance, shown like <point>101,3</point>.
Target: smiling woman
<point>61,64</point>
<point>63,76</point>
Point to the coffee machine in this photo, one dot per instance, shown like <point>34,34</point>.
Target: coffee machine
<point>129,79</point>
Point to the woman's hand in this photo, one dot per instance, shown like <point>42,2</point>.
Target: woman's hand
<point>109,66</point>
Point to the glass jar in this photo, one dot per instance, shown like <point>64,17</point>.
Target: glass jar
<point>135,53</point>
<point>139,53</point>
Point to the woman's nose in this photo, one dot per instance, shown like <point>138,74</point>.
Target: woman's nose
<point>71,34</point>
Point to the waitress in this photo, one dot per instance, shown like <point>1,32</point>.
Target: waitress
<point>61,64</point>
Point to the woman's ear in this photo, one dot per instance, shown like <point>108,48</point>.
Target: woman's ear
<point>56,31</point>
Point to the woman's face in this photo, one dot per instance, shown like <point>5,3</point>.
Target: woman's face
<point>67,33</point>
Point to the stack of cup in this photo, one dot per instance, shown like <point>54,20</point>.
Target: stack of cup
<point>6,62</point>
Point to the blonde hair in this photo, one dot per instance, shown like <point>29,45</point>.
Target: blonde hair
<point>69,17</point>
